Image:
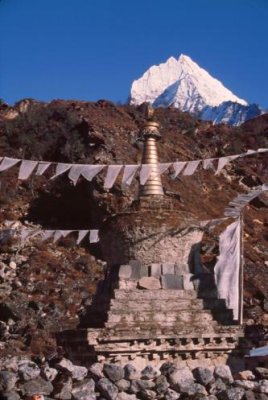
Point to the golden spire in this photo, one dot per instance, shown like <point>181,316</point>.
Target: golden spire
<point>150,134</point>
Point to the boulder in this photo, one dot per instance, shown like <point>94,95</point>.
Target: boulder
<point>96,370</point>
<point>36,386</point>
<point>149,372</point>
<point>49,373</point>
<point>231,394</point>
<point>63,388</point>
<point>7,381</point>
<point>223,372</point>
<point>247,375</point>
<point>139,385</point>
<point>248,385</point>
<point>113,372</point>
<point>216,387</point>
<point>261,373</point>
<point>262,386</point>
<point>179,377</point>
<point>171,395</point>
<point>131,372</point>
<point>107,389</point>
<point>75,371</point>
<point>203,375</point>
<point>28,370</point>
<point>84,390</point>
<point>125,396</point>
<point>10,395</point>
<point>123,385</point>
<point>161,384</point>
<point>147,394</point>
<point>193,389</point>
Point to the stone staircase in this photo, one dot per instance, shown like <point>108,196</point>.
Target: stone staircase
<point>128,320</point>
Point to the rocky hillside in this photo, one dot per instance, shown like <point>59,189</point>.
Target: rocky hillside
<point>44,287</point>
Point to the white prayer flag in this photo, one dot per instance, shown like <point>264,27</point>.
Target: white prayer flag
<point>111,175</point>
<point>42,167</point>
<point>47,234</point>
<point>8,163</point>
<point>208,163</point>
<point>145,172</point>
<point>191,167</point>
<point>262,150</point>
<point>128,175</point>
<point>60,233</point>
<point>227,267</point>
<point>90,171</point>
<point>178,167</point>
<point>265,187</point>
<point>75,172</point>
<point>60,169</point>
<point>222,161</point>
<point>26,169</point>
<point>81,235</point>
<point>93,236</point>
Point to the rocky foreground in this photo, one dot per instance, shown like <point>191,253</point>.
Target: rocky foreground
<point>60,379</point>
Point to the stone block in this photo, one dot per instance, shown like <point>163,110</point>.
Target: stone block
<point>188,282</point>
<point>170,281</point>
<point>150,283</point>
<point>136,270</point>
<point>168,268</point>
<point>155,270</point>
<point>181,269</point>
<point>125,272</point>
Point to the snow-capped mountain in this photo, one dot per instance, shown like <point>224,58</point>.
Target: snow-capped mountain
<point>183,84</point>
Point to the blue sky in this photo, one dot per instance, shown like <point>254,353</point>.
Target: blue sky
<point>94,49</point>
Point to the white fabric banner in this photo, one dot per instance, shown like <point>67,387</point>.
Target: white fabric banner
<point>228,265</point>
<point>191,167</point>
<point>26,169</point>
<point>8,163</point>
<point>178,167</point>
<point>128,175</point>
<point>47,234</point>
<point>90,171</point>
<point>81,235</point>
<point>60,233</point>
<point>208,163</point>
<point>60,169</point>
<point>42,167</point>
<point>235,206</point>
<point>111,175</point>
<point>75,172</point>
<point>145,173</point>
<point>93,236</point>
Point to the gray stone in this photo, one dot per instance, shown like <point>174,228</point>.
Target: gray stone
<point>179,377</point>
<point>10,395</point>
<point>65,365</point>
<point>7,381</point>
<point>63,388</point>
<point>188,282</point>
<point>125,271</point>
<point>79,373</point>
<point>138,385</point>
<point>147,394</point>
<point>49,373</point>
<point>149,372</point>
<point>223,372</point>
<point>107,389</point>
<point>181,269</point>
<point>249,395</point>
<point>28,370</point>
<point>171,395</point>
<point>231,394</point>
<point>172,282</point>
<point>125,396</point>
<point>113,372</point>
<point>203,375</point>
<point>135,270</point>
<point>248,385</point>
<point>167,368</point>
<point>217,386</point>
<point>150,283</point>
<point>262,386</point>
<point>123,385</point>
<point>192,389</point>
<point>131,372</point>
<point>168,268</point>
<point>161,384</point>
<point>84,390</point>
<point>155,270</point>
<point>262,373</point>
<point>96,370</point>
<point>36,386</point>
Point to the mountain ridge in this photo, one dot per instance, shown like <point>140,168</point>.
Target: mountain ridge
<point>185,85</point>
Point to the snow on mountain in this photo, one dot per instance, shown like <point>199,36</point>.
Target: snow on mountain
<point>183,84</point>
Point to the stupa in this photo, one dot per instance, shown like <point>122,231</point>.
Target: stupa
<point>156,303</point>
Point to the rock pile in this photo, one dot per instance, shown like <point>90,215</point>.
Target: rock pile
<point>61,379</point>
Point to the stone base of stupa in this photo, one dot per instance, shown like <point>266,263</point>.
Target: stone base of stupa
<point>151,315</point>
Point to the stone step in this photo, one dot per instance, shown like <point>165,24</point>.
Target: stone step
<point>167,294</point>
<point>182,328</point>
<point>163,304</point>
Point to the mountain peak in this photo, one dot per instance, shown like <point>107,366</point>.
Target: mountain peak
<point>181,83</point>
